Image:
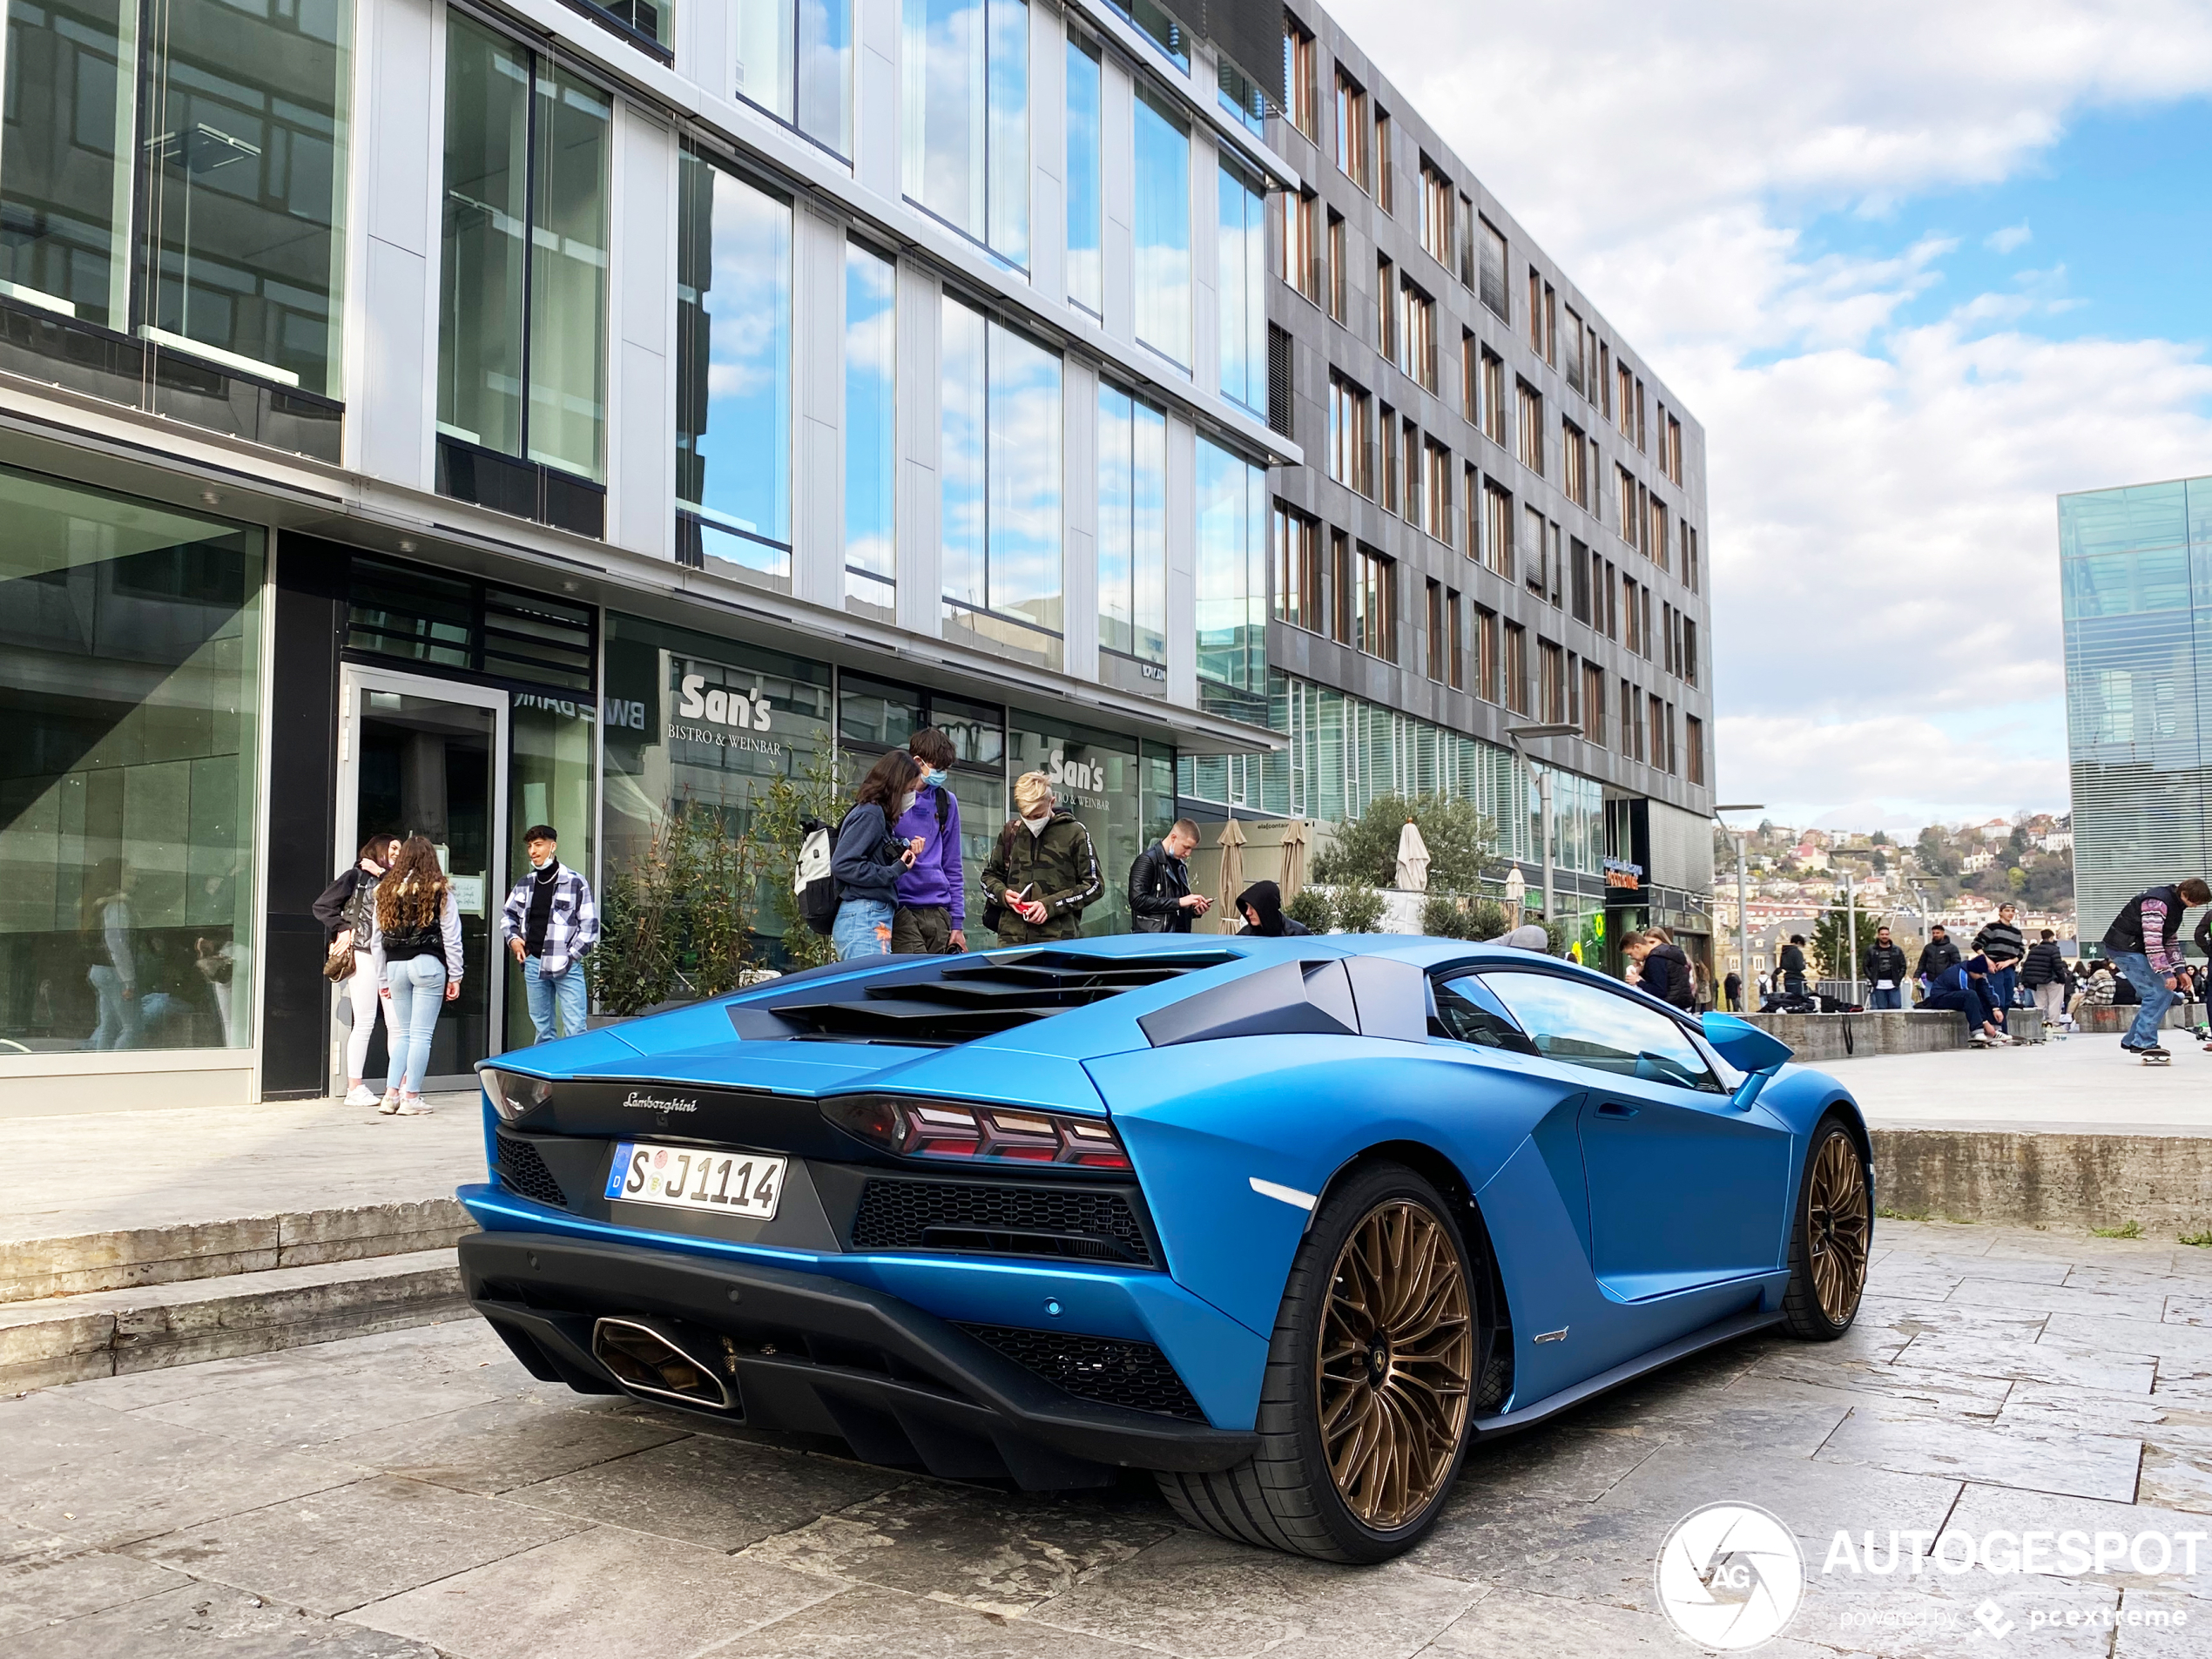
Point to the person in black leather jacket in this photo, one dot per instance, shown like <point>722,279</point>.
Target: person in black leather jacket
<point>1160,900</point>
<point>1883,967</point>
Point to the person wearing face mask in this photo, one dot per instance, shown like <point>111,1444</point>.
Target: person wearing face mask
<point>550,923</point>
<point>869,860</point>
<point>348,912</point>
<point>932,914</point>
<point>1043,872</point>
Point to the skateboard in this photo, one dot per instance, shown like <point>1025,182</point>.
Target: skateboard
<point>2158,1059</point>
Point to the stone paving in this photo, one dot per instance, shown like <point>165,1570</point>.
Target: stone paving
<point>417,1493</point>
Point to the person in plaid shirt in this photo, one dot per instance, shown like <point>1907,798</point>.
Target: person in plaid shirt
<point>550,923</point>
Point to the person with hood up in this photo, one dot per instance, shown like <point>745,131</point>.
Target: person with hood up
<point>1261,906</point>
<point>1043,872</point>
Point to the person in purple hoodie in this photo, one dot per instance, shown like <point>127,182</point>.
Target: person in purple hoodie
<point>932,907</point>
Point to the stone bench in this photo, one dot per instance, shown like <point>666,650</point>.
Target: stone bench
<point>1817,1038</point>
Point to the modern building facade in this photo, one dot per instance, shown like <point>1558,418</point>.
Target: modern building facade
<point>2135,566</point>
<point>450,416</point>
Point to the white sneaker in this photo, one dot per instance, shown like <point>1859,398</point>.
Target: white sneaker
<point>411,1106</point>
<point>361,1095</point>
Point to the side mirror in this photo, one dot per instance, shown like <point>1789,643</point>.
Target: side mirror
<point>1743,1045</point>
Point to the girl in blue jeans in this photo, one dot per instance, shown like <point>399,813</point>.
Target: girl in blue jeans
<point>416,949</point>
<point>869,858</point>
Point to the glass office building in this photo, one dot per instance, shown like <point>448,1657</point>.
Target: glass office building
<point>2135,585</point>
<point>447,420</point>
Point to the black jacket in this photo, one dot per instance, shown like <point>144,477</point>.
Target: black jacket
<point>1936,956</point>
<point>1158,881</point>
<point>1886,962</point>
<point>2046,964</point>
<point>349,903</point>
<point>2127,930</point>
<point>1667,976</point>
<point>1791,962</point>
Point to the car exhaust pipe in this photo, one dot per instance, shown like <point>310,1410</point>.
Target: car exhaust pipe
<point>646,1361</point>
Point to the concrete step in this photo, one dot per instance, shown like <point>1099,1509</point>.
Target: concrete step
<point>38,1269</point>
<point>2049,1177</point>
<point>104,1333</point>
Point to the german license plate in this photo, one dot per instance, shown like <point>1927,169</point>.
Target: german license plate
<point>688,1177</point>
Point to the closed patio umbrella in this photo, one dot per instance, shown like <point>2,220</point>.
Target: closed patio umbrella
<point>1412,860</point>
<point>1516,891</point>
<point>1294,844</point>
<point>1231,843</point>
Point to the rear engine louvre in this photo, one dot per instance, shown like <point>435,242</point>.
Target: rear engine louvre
<point>523,1171</point>
<point>953,1000</point>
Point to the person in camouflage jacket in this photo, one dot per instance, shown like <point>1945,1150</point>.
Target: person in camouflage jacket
<point>1044,872</point>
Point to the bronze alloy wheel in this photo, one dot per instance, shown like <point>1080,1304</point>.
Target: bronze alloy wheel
<point>1394,1364</point>
<point>1837,1226</point>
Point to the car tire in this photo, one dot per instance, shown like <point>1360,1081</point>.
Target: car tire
<point>1831,1234</point>
<point>1434,1339</point>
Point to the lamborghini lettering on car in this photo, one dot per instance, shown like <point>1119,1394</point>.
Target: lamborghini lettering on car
<point>1296,1224</point>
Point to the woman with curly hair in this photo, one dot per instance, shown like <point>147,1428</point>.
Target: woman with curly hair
<point>416,949</point>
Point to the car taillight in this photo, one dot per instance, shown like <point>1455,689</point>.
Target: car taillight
<point>939,1128</point>
<point>513,1093</point>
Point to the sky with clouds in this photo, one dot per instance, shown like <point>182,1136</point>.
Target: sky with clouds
<point>1917,269</point>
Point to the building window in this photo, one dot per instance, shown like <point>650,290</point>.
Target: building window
<point>1689,649</point>
<point>1132,526</point>
<point>1690,572</point>
<point>1301,254</point>
<point>1531,421</point>
<point>1532,555</point>
<point>1493,398</point>
<point>1086,219</point>
<point>1241,96</point>
<point>1491,277</point>
<point>1577,379</point>
<point>1670,451</point>
<point>1455,651</point>
<point>1339,271</point>
<point>1551,661</point>
<point>1393,472</point>
<point>1436,214</point>
<point>1592,710</point>
<point>1639,426</point>
<point>1232,577</point>
<point>1410,453</point>
<point>1486,655</point>
<point>1433,637</point>
<point>523,271</point>
<point>1624,483</point>
<point>1278,380</point>
<point>1351,130</point>
<point>1385,309</point>
<point>871,426</point>
<point>733,365</point>
<point>1694,745</point>
<point>1516,668</point>
<point>1242,207</point>
<point>1551,326</point>
<point>1348,440</point>
<point>1436,508</point>
<point>1417,334</point>
<point>1467,235</point>
<point>1470,379</point>
<point>132,631</point>
<point>1575,464</point>
<point>1298,76</point>
<point>795,61</point>
<point>1385,172</point>
<point>1297,568</point>
<point>1631,722</point>
<point>1000,454</point>
<point>1624,398</point>
<point>1340,585</point>
<point>964,108</point>
<point>1635,639</point>
<point>1375,606</point>
<point>1609,593</point>
<point>1497,530</point>
<point>1659,758</point>
<point>1162,254</point>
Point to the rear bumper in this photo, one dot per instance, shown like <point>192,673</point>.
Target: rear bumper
<point>815,1354</point>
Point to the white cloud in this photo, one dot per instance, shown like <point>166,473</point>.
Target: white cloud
<point>1883,523</point>
<point>2011,237</point>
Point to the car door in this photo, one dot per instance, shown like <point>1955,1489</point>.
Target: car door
<point>1685,1188</point>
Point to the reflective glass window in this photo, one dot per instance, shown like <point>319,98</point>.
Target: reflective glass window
<point>795,61</point>
<point>733,365</point>
<point>1132,526</point>
<point>1163,230</point>
<point>1582,1024</point>
<point>1000,457</point>
<point>1086,284</point>
<point>871,424</point>
<point>127,784</point>
<point>965,148</point>
<point>1243,277</point>
<point>1232,571</point>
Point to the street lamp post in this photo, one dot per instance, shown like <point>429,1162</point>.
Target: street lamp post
<point>1742,921</point>
<point>1549,728</point>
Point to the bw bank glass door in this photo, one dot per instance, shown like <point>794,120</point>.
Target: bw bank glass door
<point>422,757</point>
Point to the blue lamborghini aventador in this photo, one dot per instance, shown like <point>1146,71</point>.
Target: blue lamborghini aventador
<point>1291,1222</point>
